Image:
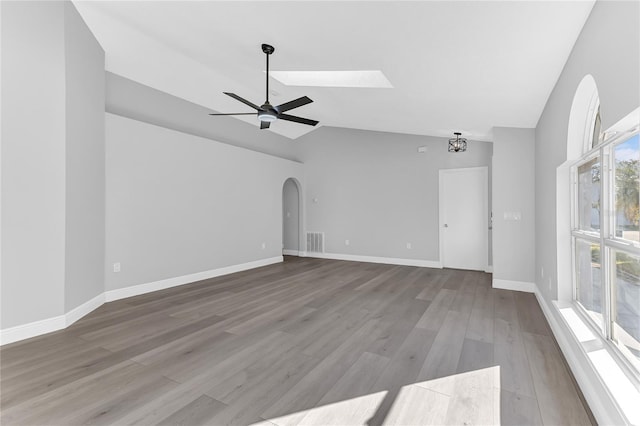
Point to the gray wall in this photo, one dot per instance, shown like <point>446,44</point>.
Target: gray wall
<point>291,216</point>
<point>52,162</point>
<point>513,191</point>
<point>85,173</point>
<point>131,99</point>
<point>608,48</point>
<point>377,191</point>
<point>178,204</point>
<point>33,161</point>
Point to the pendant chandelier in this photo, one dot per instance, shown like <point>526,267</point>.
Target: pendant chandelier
<point>457,144</point>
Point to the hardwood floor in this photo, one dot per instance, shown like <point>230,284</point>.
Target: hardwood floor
<point>308,341</point>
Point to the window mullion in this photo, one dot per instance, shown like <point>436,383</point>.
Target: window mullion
<point>574,226</point>
<point>605,234</point>
<point>622,245</point>
<point>587,236</point>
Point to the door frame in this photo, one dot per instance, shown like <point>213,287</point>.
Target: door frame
<point>484,171</point>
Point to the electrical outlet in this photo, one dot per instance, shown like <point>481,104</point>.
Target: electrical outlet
<point>409,246</point>
<point>346,242</point>
<point>116,267</point>
<point>542,271</point>
<point>264,246</point>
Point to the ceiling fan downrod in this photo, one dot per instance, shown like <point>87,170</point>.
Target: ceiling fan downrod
<point>268,50</point>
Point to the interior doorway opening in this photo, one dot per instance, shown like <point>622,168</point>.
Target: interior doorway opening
<point>291,218</point>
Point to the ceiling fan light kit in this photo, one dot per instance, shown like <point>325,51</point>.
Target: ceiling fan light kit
<point>267,116</point>
<point>268,113</point>
<point>457,144</point>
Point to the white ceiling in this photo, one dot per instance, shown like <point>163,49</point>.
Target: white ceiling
<point>455,65</point>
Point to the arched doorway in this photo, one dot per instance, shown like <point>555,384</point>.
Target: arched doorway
<point>291,218</point>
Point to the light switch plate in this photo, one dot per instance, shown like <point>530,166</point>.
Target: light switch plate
<point>512,216</point>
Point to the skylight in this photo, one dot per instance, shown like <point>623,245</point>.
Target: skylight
<point>365,79</point>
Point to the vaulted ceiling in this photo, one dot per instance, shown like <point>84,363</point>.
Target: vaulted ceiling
<point>454,65</point>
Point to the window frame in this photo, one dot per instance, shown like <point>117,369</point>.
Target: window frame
<point>575,220</point>
<point>609,244</point>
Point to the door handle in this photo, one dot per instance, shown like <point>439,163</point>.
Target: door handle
<point>446,226</point>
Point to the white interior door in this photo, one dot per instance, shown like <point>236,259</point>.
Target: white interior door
<point>464,218</point>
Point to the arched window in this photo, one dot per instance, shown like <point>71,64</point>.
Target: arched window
<point>605,232</point>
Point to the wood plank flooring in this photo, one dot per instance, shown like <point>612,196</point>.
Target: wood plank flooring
<point>305,342</point>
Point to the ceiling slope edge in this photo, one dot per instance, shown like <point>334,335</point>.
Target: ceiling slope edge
<point>134,55</point>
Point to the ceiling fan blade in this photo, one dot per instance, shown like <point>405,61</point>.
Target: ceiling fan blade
<point>264,125</point>
<point>297,119</point>
<point>244,101</point>
<point>238,113</point>
<point>293,104</point>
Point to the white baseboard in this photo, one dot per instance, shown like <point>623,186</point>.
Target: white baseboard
<point>288,252</point>
<point>489,269</point>
<point>374,259</point>
<point>76,313</point>
<point>122,293</point>
<point>32,329</point>
<point>592,388</point>
<point>514,285</point>
<point>37,328</point>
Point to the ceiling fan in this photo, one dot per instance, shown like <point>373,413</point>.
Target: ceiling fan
<point>268,113</point>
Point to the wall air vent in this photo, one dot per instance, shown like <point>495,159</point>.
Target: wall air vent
<point>315,242</point>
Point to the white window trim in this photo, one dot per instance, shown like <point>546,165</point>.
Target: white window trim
<point>607,241</point>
